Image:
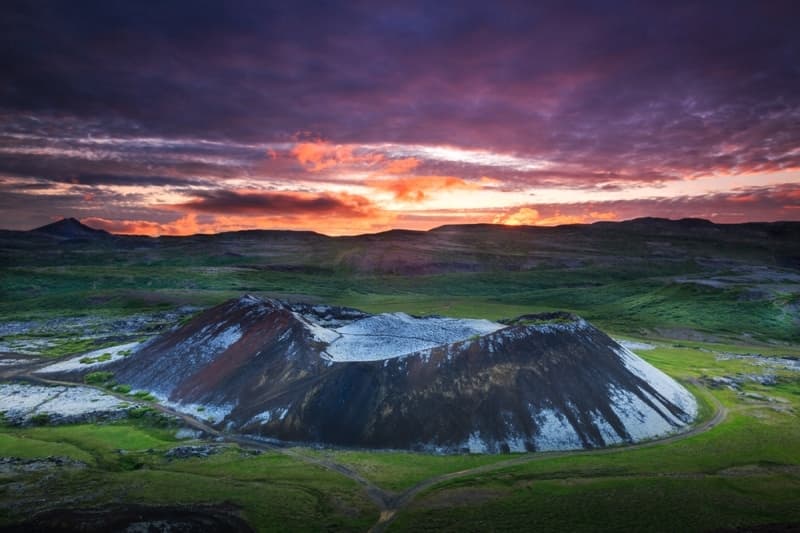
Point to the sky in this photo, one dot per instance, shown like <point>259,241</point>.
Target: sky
<point>182,117</point>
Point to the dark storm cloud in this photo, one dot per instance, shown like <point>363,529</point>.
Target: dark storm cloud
<point>185,94</point>
<point>280,203</point>
<point>692,86</point>
<point>110,179</point>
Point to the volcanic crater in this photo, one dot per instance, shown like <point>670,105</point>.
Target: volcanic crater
<point>339,376</point>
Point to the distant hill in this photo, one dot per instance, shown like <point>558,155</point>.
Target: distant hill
<point>71,228</point>
<point>685,278</point>
<point>465,248</point>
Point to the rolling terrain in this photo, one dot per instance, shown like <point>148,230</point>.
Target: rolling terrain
<point>686,279</point>
<point>715,307</point>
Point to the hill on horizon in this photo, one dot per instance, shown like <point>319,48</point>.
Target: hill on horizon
<point>689,278</point>
<point>68,224</point>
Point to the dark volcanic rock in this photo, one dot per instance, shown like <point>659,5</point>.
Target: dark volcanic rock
<point>18,464</point>
<point>186,452</point>
<point>539,382</point>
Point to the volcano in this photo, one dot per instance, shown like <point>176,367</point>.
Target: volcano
<point>339,376</point>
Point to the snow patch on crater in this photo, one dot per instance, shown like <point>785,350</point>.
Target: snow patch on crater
<point>554,432</point>
<point>640,420</point>
<point>665,385</point>
<point>392,335</point>
<point>212,413</point>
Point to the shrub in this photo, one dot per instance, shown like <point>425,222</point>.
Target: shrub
<point>144,395</point>
<point>40,419</point>
<point>140,412</point>
<point>98,378</point>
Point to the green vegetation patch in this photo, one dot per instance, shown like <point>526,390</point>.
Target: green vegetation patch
<point>100,378</point>
<point>99,359</point>
<point>610,504</point>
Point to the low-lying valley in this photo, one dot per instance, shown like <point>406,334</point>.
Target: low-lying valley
<point>640,375</point>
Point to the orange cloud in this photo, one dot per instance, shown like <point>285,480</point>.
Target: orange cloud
<point>186,225</point>
<point>526,216</point>
<point>316,156</point>
<point>416,188</point>
<point>330,224</point>
<point>232,210</point>
<point>401,166</point>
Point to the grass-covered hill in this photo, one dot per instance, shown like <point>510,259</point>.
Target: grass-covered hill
<point>687,278</point>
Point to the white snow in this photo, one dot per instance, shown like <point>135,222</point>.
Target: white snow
<point>476,444</point>
<point>516,444</point>
<point>392,335</point>
<point>75,401</point>
<point>554,431</point>
<point>116,352</point>
<point>640,420</point>
<point>665,385</point>
<point>262,418</point>
<point>13,362</point>
<point>188,433</point>
<point>205,345</point>
<point>210,412</point>
<point>278,413</point>
<point>320,333</point>
<point>222,341</point>
<point>635,345</point>
<point>21,401</point>
<point>610,436</point>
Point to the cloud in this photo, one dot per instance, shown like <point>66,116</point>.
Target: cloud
<point>401,166</point>
<point>526,216</point>
<point>694,89</point>
<point>745,204</point>
<point>186,225</point>
<point>278,203</point>
<point>418,188</point>
<point>320,155</point>
<point>781,202</point>
<point>545,95</point>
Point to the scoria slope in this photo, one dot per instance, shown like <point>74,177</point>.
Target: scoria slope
<point>338,376</point>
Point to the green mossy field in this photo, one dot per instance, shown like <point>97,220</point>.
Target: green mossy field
<point>705,304</point>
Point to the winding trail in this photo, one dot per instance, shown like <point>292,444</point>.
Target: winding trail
<point>389,503</point>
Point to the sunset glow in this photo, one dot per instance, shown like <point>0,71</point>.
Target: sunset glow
<point>364,119</point>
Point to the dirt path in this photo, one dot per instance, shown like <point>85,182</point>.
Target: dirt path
<point>390,504</point>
